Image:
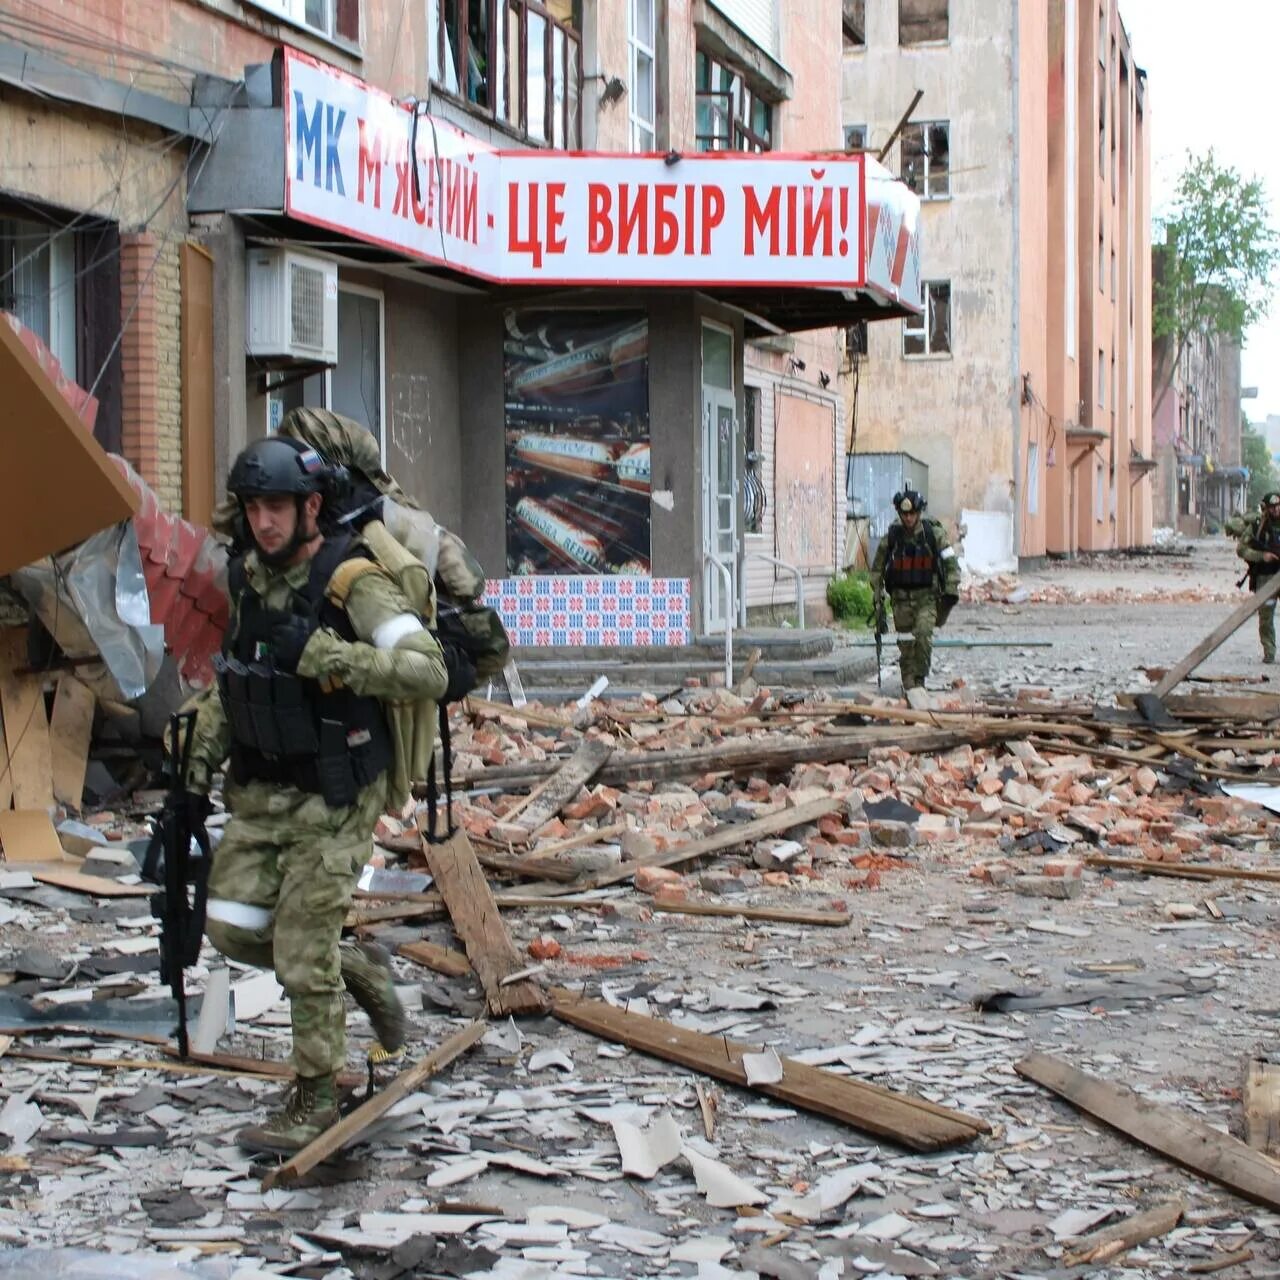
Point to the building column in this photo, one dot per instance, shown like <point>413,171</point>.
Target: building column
<point>140,435</point>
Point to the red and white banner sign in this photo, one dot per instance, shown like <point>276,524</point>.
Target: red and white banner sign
<point>358,162</point>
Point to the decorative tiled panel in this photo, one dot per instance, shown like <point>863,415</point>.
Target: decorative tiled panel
<point>582,610</point>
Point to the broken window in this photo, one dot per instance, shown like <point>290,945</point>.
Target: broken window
<point>855,24</point>
<point>855,137</point>
<point>922,21</point>
<point>930,334</point>
<point>730,117</point>
<point>926,159</point>
<point>517,61</point>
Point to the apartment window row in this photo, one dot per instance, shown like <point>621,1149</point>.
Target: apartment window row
<point>518,61</point>
<point>919,22</point>
<point>730,117</point>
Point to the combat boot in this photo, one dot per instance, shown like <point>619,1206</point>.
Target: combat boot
<point>310,1108</point>
<point>366,972</point>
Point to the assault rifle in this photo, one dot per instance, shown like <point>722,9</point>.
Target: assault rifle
<point>180,903</point>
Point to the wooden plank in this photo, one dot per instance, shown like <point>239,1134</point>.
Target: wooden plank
<point>1219,635</point>
<point>777,915</point>
<point>28,835</point>
<point>1111,1242</point>
<point>26,725</point>
<point>478,924</point>
<point>545,801</point>
<point>441,959</point>
<point>352,1126</point>
<point>729,836</point>
<point>1218,707</point>
<point>530,715</point>
<point>1262,1107</point>
<point>70,731</point>
<point>1196,870</point>
<point>1182,1138</point>
<point>98,886</point>
<point>912,1122</point>
<point>597,836</point>
<point>527,867</point>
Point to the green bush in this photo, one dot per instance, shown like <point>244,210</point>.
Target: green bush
<point>850,597</point>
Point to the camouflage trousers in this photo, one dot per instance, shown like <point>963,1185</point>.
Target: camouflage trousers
<point>282,880</point>
<point>1267,629</point>
<point>915,613</point>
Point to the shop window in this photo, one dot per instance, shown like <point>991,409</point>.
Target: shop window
<point>930,334</point>
<point>922,21</point>
<point>642,90</point>
<point>855,137</point>
<point>332,19</point>
<point>730,117</point>
<point>517,61</point>
<point>855,24</point>
<point>63,284</point>
<point>354,386</point>
<point>926,159</point>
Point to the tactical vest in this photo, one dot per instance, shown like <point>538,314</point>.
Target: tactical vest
<point>285,728</point>
<point>910,564</point>
<point>1265,538</point>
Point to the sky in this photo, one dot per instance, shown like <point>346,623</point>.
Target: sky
<point>1211,74</point>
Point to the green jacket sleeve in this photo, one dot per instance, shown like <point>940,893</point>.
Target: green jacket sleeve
<point>211,741</point>
<point>950,561</point>
<point>1245,548</point>
<point>395,657</point>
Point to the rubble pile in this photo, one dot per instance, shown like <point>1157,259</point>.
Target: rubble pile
<point>914,897</point>
<point>1005,588</point>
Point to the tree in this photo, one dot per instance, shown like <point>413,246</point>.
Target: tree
<point>1261,472</point>
<point>1219,254</point>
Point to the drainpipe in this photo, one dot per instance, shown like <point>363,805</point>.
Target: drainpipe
<point>1015,373</point>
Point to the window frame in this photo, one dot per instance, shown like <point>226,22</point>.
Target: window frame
<point>853,25</point>
<point>856,128</point>
<point>506,100</point>
<point>924,129</point>
<point>294,12</point>
<point>636,51</point>
<point>924,331</point>
<point>927,40</point>
<point>741,134</point>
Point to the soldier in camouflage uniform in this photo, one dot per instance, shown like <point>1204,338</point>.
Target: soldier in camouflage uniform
<point>1259,547</point>
<point>916,563</point>
<point>319,635</point>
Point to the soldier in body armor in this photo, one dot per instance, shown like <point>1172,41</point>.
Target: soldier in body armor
<point>1259,547</point>
<point>916,564</point>
<point>319,635</point>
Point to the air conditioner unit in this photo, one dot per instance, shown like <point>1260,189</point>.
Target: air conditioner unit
<point>293,307</point>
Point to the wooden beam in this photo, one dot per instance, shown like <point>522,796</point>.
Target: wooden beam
<point>530,715</point>
<point>731,835</point>
<point>546,800</point>
<point>26,725</point>
<point>1182,1138</point>
<point>442,959</point>
<point>1221,633</point>
<point>1111,1242</point>
<point>912,1122</point>
<point>777,915</point>
<point>352,1126</point>
<point>1262,1107</point>
<point>478,923</point>
<point>1196,870</point>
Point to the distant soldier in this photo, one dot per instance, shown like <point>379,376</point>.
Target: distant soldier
<point>916,564</point>
<point>1259,547</point>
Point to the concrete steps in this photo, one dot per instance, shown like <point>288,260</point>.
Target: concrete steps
<point>789,659</point>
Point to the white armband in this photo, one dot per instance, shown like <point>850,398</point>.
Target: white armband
<point>948,553</point>
<point>390,633</point>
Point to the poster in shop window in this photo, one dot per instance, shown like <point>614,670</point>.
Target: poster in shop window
<point>577,428</point>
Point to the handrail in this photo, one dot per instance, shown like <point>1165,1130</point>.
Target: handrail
<point>790,568</point>
<point>728,614</point>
